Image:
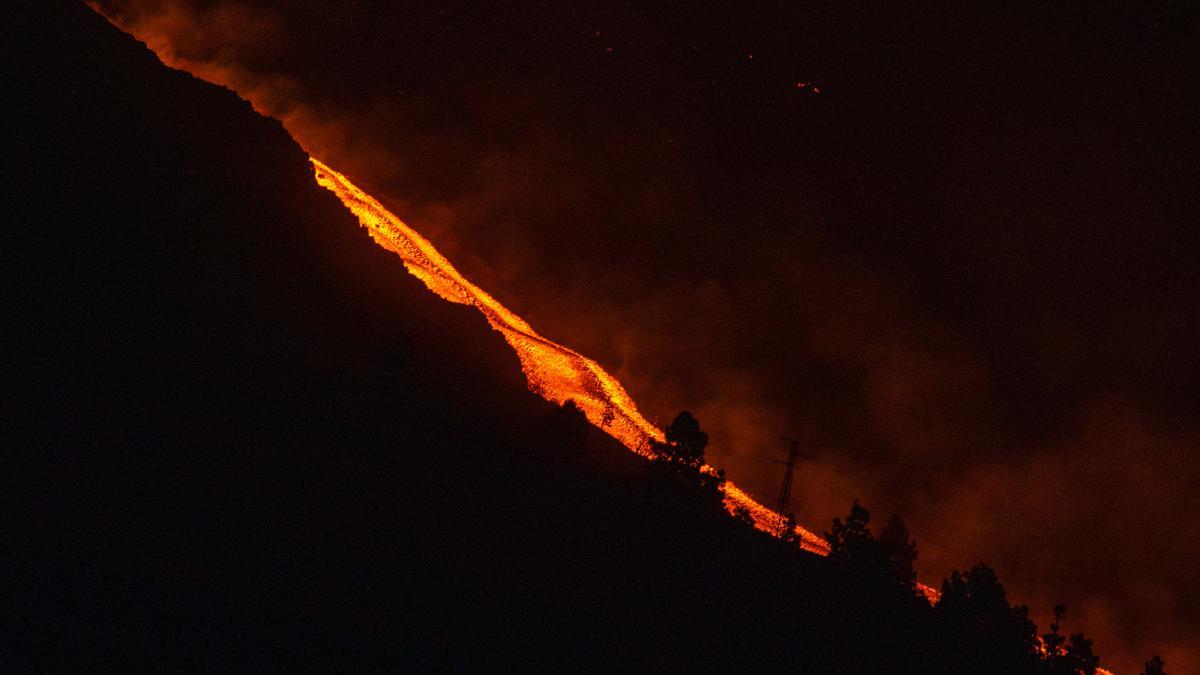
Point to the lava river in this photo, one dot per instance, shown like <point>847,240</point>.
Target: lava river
<point>555,372</point>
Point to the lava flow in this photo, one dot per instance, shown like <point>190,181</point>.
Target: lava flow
<point>553,371</point>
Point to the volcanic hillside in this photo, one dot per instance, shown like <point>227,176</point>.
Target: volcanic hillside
<point>239,435</point>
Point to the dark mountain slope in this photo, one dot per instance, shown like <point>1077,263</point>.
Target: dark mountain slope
<point>237,435</point>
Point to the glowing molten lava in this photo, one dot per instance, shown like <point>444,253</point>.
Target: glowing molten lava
<point>552,370</point>
<point>555,372</point>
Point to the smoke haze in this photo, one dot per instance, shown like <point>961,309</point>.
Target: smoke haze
<point>963,272</point>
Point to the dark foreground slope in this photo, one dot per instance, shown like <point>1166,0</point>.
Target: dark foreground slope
<point>237,435</point>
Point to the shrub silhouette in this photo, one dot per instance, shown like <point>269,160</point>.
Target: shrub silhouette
<point>1155,666</point>
<point>567,427</point>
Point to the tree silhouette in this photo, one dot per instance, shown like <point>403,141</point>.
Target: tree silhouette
<point>1079,655</point>
<point>685,441</point>
<point>981,631</point>
<point>1054,640</point>
<point>1155,666</point>
<point>900,550</point>
<point>678,461</point>
<point>1073,658</point>
<point>852,539</point>
<point>884,564</point>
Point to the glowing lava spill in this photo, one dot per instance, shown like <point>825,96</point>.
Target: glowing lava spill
<point>553,371</point>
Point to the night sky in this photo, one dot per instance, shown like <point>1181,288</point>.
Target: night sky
<point>952,249</point>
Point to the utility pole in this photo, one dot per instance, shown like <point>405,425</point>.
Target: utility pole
<point>785,492</point>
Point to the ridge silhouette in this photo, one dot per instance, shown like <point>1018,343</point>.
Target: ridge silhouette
<point>241,438</point>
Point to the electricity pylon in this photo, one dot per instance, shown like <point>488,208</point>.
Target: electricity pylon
<point>785,492</point>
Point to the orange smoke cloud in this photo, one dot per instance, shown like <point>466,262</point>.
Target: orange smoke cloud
<point>794,334</point>
<point>222,44</point>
